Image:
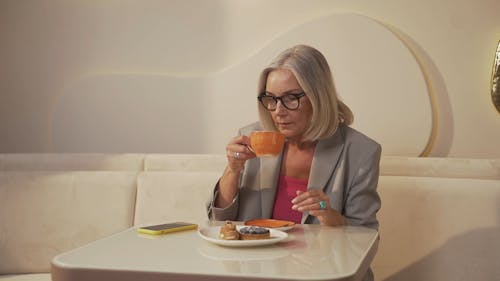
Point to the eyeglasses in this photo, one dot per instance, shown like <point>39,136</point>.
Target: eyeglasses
<point>289,101</point>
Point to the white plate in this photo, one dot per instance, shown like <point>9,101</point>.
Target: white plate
<point>211,234</point>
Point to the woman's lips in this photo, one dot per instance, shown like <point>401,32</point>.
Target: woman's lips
<point>284,124</point>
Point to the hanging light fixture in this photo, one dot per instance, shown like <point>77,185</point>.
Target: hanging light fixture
<point>495,79</point>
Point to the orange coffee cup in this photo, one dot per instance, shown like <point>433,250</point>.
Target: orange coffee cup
<point>266,143</point>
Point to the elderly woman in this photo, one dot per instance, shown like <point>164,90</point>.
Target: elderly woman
<point>327,172</point>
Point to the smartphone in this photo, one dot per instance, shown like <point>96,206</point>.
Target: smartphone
<point>166,228</point>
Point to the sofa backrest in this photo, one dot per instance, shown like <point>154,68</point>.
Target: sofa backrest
<point>171,196</point>
<point>71,162</point>
<point>432,227</point>
<point>440,167</point>
<point>438,229</point>
<point>185,162</point>
<point>389,165</point>
<point>43,214</point>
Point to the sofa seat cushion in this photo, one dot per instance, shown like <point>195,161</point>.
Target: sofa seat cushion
<point>438,229</point>
<point>47,213</point>
<point>173,196</point>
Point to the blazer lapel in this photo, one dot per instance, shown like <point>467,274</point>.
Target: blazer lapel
<point>326,156</point>
<point>269,170</point>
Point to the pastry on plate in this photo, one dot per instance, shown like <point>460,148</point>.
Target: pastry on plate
<point>228,231</point>
<point>254,233</point>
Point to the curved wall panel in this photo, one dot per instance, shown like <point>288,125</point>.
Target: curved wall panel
<point>375,75</point>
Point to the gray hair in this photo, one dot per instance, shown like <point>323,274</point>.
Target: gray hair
<point>314,76</point>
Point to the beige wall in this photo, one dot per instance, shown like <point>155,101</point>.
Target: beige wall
<point>45,45</point>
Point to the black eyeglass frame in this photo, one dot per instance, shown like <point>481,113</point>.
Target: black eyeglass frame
<point>276,99</point>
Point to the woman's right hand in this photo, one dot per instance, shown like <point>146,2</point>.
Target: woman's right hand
<point>238,152</point>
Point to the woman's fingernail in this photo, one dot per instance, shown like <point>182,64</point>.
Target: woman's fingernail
<point>294,207</point>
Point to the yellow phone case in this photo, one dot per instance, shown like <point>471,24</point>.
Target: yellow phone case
<point>167,228</point>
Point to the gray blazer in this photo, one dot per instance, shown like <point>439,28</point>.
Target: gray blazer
<point>345,166</point>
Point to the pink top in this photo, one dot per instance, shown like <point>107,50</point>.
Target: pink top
<point>287,190</point>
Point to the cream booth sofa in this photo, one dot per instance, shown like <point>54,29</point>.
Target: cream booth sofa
<point>440,217</point>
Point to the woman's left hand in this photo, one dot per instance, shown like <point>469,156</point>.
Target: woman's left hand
<point>317,203</point>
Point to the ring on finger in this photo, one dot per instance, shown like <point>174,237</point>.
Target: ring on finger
<point>322,205</point>
<point>236,155</point>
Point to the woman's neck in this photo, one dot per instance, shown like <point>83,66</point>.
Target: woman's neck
<point>297,159</point>
<point>300,145</point>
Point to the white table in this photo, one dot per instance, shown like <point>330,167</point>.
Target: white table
<point>311,252</point>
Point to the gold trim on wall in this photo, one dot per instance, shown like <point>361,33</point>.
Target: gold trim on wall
<point>495,79</point>
<point>408,42</point>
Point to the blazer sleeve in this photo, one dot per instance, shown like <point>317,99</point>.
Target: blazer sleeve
<point>362,200</point>
<point>221,214</point>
